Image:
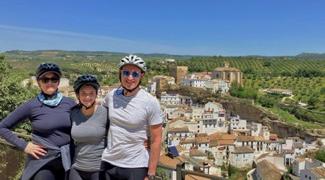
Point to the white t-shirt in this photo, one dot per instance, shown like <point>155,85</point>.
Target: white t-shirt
<point>130,117</point>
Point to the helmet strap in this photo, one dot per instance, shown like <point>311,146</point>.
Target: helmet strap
<point>127,91</point>
<point>92,105</point>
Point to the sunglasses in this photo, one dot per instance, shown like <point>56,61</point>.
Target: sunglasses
<point>134,74</point>
<point>47,80</point>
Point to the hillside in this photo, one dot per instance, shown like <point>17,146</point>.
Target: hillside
<point>305,77</point>
<point>316,56</point>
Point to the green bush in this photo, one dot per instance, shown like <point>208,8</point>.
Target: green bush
<point>320,155</point>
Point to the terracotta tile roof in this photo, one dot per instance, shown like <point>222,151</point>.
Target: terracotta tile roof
<point>213,143</point>
<point>318,171</point>
<point>202,140</point>
<point>194,177</point>
<point>187,141</point>
<point>202,135</point>
<point>196,152</point>
<point>273,136</point>
<point>222,142</point>
<point>180,149</point>
<point>222,136</point>
<point>179,130</point>
<point>268,170</point>
<point>259,138</point>
<point>243,150</point>
<point>219,139</point>
<point>232,69</point>
<point>249,138</point>
<point>170,162</point>
<point>226,142</point>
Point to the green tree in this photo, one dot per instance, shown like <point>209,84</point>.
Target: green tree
<point>242,92</point>
<point>322,91</point>
<point>12,93</point>
<point>266,101</point>
<point>320,155</point>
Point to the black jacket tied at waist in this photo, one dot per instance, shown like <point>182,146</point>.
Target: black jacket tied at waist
<point>33,165</point>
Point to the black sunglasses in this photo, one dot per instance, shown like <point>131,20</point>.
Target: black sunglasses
<point>47,80</point>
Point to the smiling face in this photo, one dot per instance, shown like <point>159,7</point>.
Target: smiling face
<point>87,95</point>
<point>130,76</point>
<point>49,83</point>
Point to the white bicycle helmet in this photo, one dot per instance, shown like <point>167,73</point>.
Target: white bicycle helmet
<point>134,60</point>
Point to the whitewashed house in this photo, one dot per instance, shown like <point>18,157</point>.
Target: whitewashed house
<point>202,143</point>
<point>197,112</point>
<point>152,87</point>
<point>255,142</point>
<point>242,157</point>
<point>221,145</point>
<point>237,124</point>
<point>198,154</point>
<point>292,148</point>
<point>175,99</point>
<point>197,80</point>
<point>170,99</point>
<point>213,119</point>
<point>175,135</point>
<point>315,173</point>
<point>188,143</point>
<point>300,164</point>
<point>217,85</point>
<point>169,110</point>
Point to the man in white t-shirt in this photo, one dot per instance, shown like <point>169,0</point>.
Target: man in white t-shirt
<point>135,116</point>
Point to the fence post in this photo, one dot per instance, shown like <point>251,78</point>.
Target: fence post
<point>179,168</point>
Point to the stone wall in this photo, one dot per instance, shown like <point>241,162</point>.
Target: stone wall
<point>11,162</point>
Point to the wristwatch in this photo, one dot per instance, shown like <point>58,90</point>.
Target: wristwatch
<point>151,177</point>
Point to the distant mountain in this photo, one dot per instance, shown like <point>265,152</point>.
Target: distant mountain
<point>99,55</point>
<point>105,55</point>
<point>320,56</point>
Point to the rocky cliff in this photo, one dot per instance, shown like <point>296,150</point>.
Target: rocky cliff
<point>253,114</point>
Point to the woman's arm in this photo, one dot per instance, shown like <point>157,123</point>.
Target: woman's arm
<point>156,136</point>
<point>18,115</point>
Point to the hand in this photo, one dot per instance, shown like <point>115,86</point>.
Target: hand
<point>35,150</point>
<point>146,144</point>
<point>152,177</point>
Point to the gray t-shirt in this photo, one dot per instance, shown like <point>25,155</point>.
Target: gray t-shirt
<point>130,117</point>
<point>88,134</point>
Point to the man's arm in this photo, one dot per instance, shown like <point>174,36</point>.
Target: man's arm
<point>155,144</point>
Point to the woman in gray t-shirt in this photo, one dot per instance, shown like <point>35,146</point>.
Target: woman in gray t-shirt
<point>88,130</point>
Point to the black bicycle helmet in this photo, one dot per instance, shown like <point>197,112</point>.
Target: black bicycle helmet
<point>48,67</point>
<point>85,79</point>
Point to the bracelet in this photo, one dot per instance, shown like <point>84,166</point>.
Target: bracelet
<point>151,177</point>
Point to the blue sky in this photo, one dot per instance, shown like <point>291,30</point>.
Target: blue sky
<point>192,27</point>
